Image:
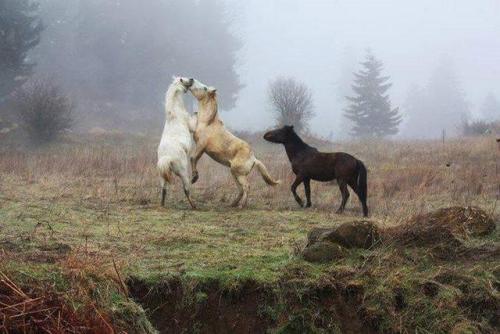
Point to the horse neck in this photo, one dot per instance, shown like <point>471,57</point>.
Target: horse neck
<point>208,111</point>
<point>295,146</point>
<point>173,101</point>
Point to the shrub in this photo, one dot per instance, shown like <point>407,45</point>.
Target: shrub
<point>478,128</point>
<point>44,112</point>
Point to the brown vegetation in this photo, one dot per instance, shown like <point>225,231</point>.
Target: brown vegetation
<point>404,179</point>
<point>81,226</point>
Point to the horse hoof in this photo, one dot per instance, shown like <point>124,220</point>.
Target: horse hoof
<point>339,212</point>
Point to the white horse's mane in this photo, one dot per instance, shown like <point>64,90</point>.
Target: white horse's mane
<point>173,97</point>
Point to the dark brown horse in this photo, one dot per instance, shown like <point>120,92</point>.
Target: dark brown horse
<point>310,164</point>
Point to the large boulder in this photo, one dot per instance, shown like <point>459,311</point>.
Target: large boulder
<point>317,234</point>
<point>330,244</point>
<point>355,234</point>
<point>323,251</point>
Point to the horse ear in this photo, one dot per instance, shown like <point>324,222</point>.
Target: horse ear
<point>212,91</point>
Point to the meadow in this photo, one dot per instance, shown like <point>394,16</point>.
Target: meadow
<point>82,235</point>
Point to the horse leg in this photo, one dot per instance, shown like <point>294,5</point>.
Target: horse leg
<point>163,192</point>
<point>240,191</point>
<point>242,180</point>
<point>186,184</point>
<point>200,149</point>
<point>345,195</point>
<point>181,169</point>
<point>307,189</point>
<point>362,199</point>
<point>296,183</point>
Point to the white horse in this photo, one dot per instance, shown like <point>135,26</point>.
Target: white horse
<point>176,142</point>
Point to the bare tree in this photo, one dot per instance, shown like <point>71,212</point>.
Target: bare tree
<point>43,111</point>
<point>292,103</point>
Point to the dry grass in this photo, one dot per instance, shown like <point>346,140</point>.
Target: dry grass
<point>89,209</point>
<point>405,178</point>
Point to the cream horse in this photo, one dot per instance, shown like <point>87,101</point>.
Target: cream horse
<point>176,143</point>
<point>221,145</point>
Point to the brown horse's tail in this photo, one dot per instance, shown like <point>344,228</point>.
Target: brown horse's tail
<point>362,185</point>
<point>265,174</point>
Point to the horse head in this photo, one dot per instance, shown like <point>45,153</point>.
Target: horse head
<point>201,91</point>
<point>182,84</point>
<point>281,135</point>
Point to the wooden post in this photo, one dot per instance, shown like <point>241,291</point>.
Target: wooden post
<point>497,177</point>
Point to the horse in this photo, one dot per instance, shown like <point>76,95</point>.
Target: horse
<point>310,164</point>
<point>213,138</point>
<point>176,144</point>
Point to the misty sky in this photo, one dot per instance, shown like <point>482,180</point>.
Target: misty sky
<point>313,40</point>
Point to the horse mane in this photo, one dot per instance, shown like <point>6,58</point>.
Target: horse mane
<point>212,105</point>
<point>170,99</point>
<point>295,138</point>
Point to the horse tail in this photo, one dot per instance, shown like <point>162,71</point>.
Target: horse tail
<point>362,185</point>
<point>164,166</point>
<point>265,174</point>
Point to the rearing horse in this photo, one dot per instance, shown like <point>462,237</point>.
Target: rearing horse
<point>310,164</point>
<point>176,142</point>
<point>221,145</point>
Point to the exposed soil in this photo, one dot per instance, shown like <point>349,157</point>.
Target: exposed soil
<point>42,310</point>
<point>251,308</point>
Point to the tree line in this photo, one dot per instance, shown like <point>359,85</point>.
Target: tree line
<point>440,108</point>
<point>113,59</point>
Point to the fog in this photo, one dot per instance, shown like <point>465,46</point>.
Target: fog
<point>240,46</point>
<point>315,40</point>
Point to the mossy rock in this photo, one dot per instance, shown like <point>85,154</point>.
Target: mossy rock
<point>317,234</point>
<point>323,251</point>
<point>356,234</point>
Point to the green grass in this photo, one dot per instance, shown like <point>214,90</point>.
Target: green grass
<point>66,225</point>
<point>250,244</point>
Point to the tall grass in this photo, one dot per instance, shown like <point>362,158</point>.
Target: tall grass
<point>405,177</point>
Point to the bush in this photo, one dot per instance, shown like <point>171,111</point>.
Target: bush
<point>44,112</point>
<point>479,128</point>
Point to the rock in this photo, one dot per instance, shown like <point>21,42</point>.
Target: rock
<point>323,251</point>
<point>356,234</point>
<point>316,234</point>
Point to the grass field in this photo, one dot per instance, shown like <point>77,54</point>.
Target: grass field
<point>81,221</point>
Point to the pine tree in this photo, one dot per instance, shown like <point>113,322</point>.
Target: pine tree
<point>370,110</point>
<point>440,106</point>
<point>20,30</point>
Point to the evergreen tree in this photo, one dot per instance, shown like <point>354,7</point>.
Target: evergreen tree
<point>370,109</point>
<point>415,109</point>
<point>20,30</point>
<point>117,58</point>
<point>439,107</point>
<point>490,108</point>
